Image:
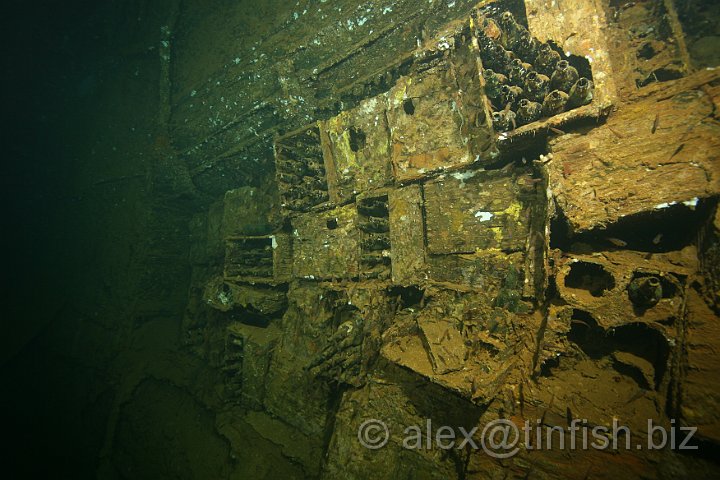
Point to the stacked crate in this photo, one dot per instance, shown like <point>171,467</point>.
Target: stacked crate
<point>258,258</point>
<point>394,190</point>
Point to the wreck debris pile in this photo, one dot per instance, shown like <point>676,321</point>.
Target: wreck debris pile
<point>417,248</point>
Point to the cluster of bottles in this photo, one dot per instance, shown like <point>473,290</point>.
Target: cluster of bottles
<point>301,171</point>
<point>233,364</point>
<point>525,79</point>
<point>250,257</point>
<point>375,243</point>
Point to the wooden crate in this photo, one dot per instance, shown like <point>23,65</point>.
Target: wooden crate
<point>477,210</point>
<point>437,116</point>
<point>374,235</point>
<point>246,361</point>
<point>407,235</point>
<point>249,211</point>
<point>578,35</point>
<point>261,259</point>
<point>485,270</point>
<point>301,170</point>
<point>599,285</point>
<point>326,245</point>
<point>652,154</point>
<point>356,144</point>
<point>483,229</point>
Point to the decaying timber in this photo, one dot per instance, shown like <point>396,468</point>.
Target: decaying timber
<point>651,154</point>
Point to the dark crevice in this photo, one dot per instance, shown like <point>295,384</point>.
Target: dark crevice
<point>637,339</point>
<point>548,365</point>
<point>669,228</point>
<point>409,106</point>
<point>333,407</point>
<point>357,139</point>
<point>591,277</point>
<point>250,316</point>
<point>410,297</point>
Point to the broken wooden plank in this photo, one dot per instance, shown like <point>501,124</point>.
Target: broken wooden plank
<point>407,235</point>
<point>701,383</point>
<point>623,168</point>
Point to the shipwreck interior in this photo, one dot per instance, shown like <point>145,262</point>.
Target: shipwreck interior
<point>269,239</point>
